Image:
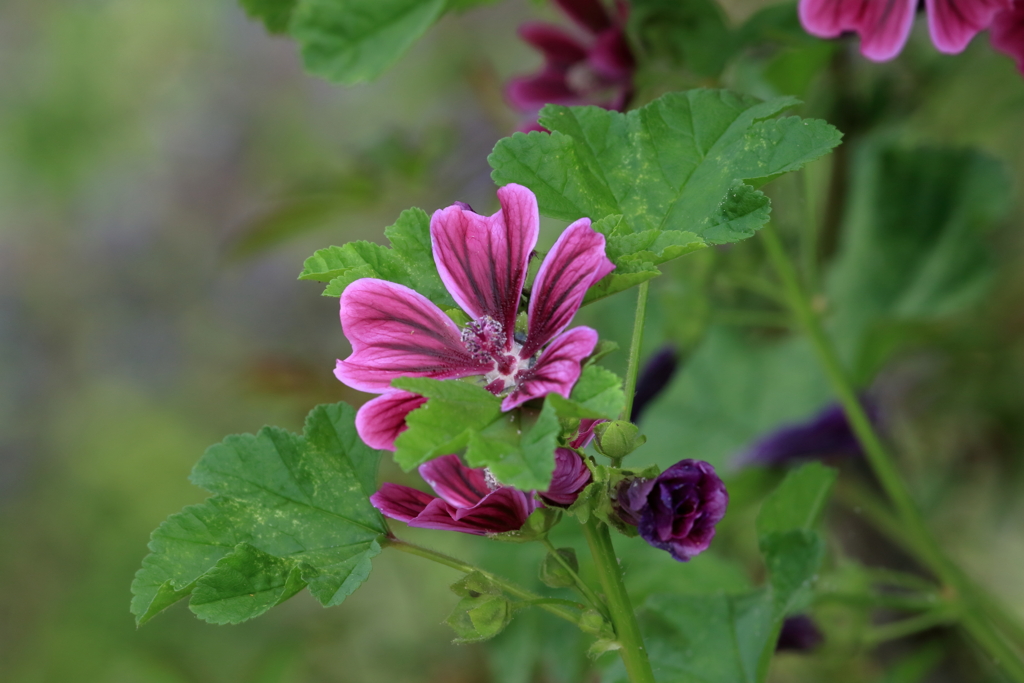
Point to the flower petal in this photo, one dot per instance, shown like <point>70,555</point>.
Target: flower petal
<point>586,433</point>
<point>531,93</point>
<point>400,502</point>
<point>505,509</point>
<point>556,370</point>
<point>883,25</point>
<point>575,263</point>
<point>953,23</point>
<point>397,332</point>
<point>457,484</point>
<point>483,259</point>
<point>570,477</point>
<point>380,421</point>
<point>1008,33</point>
<point>589,14</point>
<point>611,56</point>
<point>558,46</point>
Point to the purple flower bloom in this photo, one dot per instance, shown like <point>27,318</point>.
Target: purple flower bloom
<point>654,377</point>
<point>799,633</point>
<point>595,70</point>
<point>570,477</point>
<point>826,434</point>
<point>482,260</point>
<point>884,25</point>
<point>471,501</point>
<point>678,510</point>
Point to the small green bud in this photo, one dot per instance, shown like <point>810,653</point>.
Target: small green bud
<point>537,526</point>
<point>554,574</point>
<point>594,623</point>
<point>617,439</point>
<point>473,585</point>
<point>480,618</point>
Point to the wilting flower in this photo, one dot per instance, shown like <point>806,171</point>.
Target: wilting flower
<point>678,510</point>
<point>594,70</point>
<point>826,434</point>
<point>482,260</point>
<point>884,25</point>
<point>471,501</point>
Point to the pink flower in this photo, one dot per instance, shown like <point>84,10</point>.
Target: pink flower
<point>472,502</point>
<point>482,260</point>
<point>1008,32</point>
<point>597,69</point>
<point>884,25</point>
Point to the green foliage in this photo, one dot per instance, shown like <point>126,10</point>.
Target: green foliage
<point>725,638</point>
<point>692,34</point>
<point>288,512</point>
<point>518,447</point>
<point>408,262</point>
<point>554,574</point>
<point>275,14</point>
<point>482,613</point>
<point>679,165</point>
<point>913,242</point>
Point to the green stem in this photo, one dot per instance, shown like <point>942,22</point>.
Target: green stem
<point>591,597</point>
<point>627,630</point>
<point>911,625</point>
<point>884,467</point>
<point>511,588</point>
<point>633,370</point>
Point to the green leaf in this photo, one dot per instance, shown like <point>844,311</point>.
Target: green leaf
<point>693,34</point>
<point>275,14</point>
<point>678,163</point>
<point>290,511</point>
<point>480,618</point>
<point>793,558</point>
<point>600,391</point>
<point>352,41</point>
<point>913,243</point>
<point>443,424</point>
<point>524,460</point>
<point>798,501</point>
<point>408,262</point>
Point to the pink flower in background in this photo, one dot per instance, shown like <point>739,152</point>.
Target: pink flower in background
<point>596,67</point>
<point>884,25</point>
<point>472,502</point>
<point>1008,32</point>
<point>482,260</point>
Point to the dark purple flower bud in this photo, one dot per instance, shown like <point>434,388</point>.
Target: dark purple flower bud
<point>826,434</point>
<point>678,510</point>
<point>654,377</point>
<point>570,477</point>
<point>799,633</point>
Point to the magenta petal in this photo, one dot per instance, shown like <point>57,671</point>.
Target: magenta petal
<point>590,14</point>
<point>457,484</point>
<point>397,332</point>
<point>1007,33</point>
<point>483,259</point>
<point>575,263</point>
<point>559,48</point>
<point>586,433</point>
<point>570,477</point>
<point>531,93</point>
<point>953,23</point>
<point>400,502</point>
<point>883,25</point>
<point>380,421</point>
<point>505,509</point>
<point>556,370</point>
<point>611,56</point>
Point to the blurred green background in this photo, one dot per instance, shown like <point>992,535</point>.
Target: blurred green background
<point>166,167</point>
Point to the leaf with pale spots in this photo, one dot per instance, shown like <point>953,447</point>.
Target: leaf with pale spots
<point>290,512</point>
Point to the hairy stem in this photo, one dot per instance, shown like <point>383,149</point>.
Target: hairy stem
<point>595,601</point>
<point>627,630</point>
<point>633,370</point>
<point>915,531</point>
<point>556,608</point>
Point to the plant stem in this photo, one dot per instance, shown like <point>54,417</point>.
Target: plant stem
<point>915,531</point>
<point>627,630</point>
<point>595,601</point>
<point>633,370</point>
<point>513,589</point>
<point>911,625</point>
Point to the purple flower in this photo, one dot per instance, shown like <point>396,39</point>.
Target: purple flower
<point>826,434</point>
<point>678,510</point>
<point>654,377</point>
<point>1007,33</point>
<point>482,260</point>
<point>884,25</point>
<point>597,69</point>
<point>471,501</point>
<point>798,633</point>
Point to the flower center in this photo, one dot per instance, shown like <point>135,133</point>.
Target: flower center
<point>485,340</point>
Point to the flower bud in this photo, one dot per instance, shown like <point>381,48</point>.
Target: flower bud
<point>678,510</point>
<point>594,623</point>
<point>617,439</point>
<point>554,574</point>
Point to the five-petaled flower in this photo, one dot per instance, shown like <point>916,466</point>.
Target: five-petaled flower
<point>884,25</point>
<point>471,501</point>
<point>594,70</point>
<point>678,510</point>
<point>482,260</point>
